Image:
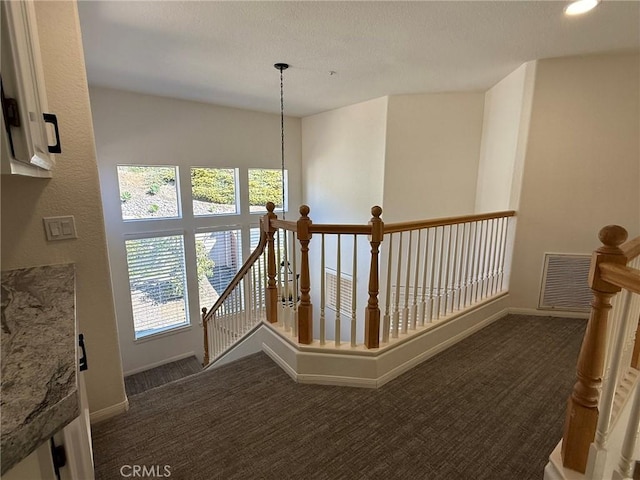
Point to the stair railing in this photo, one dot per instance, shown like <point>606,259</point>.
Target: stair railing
<point>428,271</point>
<point>240,307</point>
<point>609,354</point>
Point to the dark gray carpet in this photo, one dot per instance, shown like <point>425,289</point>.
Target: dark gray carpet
<point>170,372</point>
<point>490,407</point>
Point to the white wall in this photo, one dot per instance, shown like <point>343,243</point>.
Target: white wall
<point>142,129</point>
<point>432,153</point>
<point>343,167</point>
<point>505,129</point>
<point>582,166</point>
<point>73,190</point>
<point>343,154</point>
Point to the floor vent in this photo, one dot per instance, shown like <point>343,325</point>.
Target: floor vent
<point>565,283</point>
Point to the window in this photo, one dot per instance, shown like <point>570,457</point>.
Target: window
<point>214,191</point>
<point>265,185</point>
<point>147,192</point>
<point>157,283</point>
<point>219,257</point>
<point>179,261</point>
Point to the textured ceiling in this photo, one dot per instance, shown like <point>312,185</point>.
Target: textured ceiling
<point>223,52</point>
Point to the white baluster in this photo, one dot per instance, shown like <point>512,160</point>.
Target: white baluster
<point>504,252</point>
<point>478,254</point>
<point>433,273</point>
<point>494,257</point>
<point>279,260</point>
<point>626,464</point>
<point>414,308</point>
<point>294,285</point>
<point>441,263</point>
<point>353,291</point>
<point>407,291</point>
<point>423,304</point>
<point>492,253</point>
<point>339,270</point>
<point>483,261</point>
<point>322,293</point>
<point>467,265</point>
<point>456,255</point>
<point>447,273</point>
<point>285,283</point>
<point>387,318</point>
<point>396,312</point>
<point>461,265</point>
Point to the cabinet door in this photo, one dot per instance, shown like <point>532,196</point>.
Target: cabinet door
<point>26,145</point>
<point>37,466</point>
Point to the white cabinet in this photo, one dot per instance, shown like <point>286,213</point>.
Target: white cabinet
<point>74,439</point>
<point>29,133</point>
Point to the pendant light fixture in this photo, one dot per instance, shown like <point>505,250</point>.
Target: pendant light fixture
<point>282,67</point>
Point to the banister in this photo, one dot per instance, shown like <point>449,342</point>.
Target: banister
<point>631,249</point>
<point>238,276</point>
<point>621,276</point>
<point>582,409</point>
<point>375,230</point>
<point>342,229</point>
<point>284,224</point>
<point>439,222</point>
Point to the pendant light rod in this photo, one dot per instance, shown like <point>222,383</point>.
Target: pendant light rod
<point>282,67</point>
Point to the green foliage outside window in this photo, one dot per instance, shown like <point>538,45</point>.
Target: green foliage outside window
<point>218,186</point>
<point>213,185</point>
<point>265,186</point>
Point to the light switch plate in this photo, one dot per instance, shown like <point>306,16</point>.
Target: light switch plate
<point>60,228</point>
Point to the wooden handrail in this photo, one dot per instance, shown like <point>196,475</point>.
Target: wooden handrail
<point>355,229</point>
<point>631,249</point>
<point>621,276</point>
<point>439,222</point>
<point>342,229</point>
<point>238,276</point>
<point>284,224</point>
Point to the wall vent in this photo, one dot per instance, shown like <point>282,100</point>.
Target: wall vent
<point>565,284</point>
<point>331,289</point>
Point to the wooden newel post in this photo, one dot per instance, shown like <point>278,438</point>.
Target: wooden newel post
<point>271,294</point>
<point>205,357</point>
<point>372,313</point>
<point>582,409</point>
<point>305,309</point>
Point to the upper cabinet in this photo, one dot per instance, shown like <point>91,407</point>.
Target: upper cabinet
<point>29,133</point>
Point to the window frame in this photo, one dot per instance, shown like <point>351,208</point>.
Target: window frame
<point>167,330</point>
<point>179,209</point>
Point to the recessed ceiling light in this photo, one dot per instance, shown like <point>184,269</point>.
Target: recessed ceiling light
<point>581,6</point>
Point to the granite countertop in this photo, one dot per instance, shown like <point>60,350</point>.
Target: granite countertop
<point>39,361</point>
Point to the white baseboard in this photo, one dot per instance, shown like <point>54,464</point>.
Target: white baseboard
<point>400,369</point>
<point>337,380</point>
<point>374,369</point>
<point>109,412</point>
<point>548,313</point>
<point>280,362</point>
<point>149,366</point>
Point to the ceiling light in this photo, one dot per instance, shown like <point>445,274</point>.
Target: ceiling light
<point>581,6</point>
